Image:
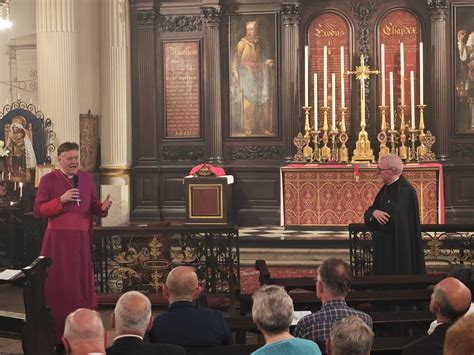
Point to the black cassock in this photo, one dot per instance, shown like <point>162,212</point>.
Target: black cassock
<point>397,244</point>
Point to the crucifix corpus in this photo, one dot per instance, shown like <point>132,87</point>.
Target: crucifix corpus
<point>362,152</point>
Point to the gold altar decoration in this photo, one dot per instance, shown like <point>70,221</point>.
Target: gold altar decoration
<point>325,150</point>
<point>307,150</point>
<point>343,138</point>
<point>382,136</point>
<point>363,151</point>
<point>402,150</point>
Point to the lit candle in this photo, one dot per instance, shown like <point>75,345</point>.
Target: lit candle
<point>342,78</point>
<point>315,101</point>
<point>306,76</point>
<point>325,72</point>
<point>21,189</point>
<point>14,186</point>
<point>383,74</point>
<point>392,120</point>
<point>402,75</point>
<point>333,101</point>
<point>9,175</point>
<point>421,73</point>
<point>412,96</point>
<point>3,175</point>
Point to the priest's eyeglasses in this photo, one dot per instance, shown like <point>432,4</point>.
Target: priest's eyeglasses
<point>380,169</point>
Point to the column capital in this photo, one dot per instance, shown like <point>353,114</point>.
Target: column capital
<point>146,18</point>
<point>212,15</point>
<point>438,9</point>
<point>290,14</point>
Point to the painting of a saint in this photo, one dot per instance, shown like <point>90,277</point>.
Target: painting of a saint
<point>464,69</point>
<point>22,156</point>
<point>253,76</point>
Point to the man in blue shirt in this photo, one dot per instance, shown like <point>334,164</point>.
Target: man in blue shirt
<point>185,324</point>
<point>333,285</point>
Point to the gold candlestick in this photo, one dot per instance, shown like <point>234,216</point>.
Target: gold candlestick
<point>382,136</point>
<point>412,152</point>
<point>393,141</point>
<point>334,151</point>
<point>422,147</point>
<point>307,150</point>
<point>343,138</point>
<point>325,150</point>
<point>317,151</point>
<point>402,150</point>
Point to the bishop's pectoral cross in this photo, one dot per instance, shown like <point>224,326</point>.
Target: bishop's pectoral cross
<point>363,152</point>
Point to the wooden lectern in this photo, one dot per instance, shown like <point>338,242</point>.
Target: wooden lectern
<point>208,199</point>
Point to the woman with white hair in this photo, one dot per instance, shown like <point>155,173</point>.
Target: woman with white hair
<point>272,312</point>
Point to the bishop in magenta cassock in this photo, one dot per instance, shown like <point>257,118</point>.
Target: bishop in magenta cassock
<point>68,199</point>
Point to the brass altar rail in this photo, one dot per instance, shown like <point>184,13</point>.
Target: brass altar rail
<point>140,257</point>
<point>444,245</point>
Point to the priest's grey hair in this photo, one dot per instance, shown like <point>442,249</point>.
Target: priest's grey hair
<point>132,313</point>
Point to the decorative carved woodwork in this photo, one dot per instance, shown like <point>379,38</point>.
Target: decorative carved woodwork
<point>254,152</point>
<point>181,23</point>
<point>182,153</point>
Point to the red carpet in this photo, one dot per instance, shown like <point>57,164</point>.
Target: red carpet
<point>249,276</point>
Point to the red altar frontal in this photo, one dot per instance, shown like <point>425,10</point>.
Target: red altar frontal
<point>333,195</point>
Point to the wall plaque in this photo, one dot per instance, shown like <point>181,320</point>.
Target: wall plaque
<point>400,26</point>
<point>182,89</point>
<point>331,30</point>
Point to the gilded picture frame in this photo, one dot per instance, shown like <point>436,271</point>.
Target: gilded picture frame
<point>41,170</point>
<point>253,69</point>
<point>463,62</point>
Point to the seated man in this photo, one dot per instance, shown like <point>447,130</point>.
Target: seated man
<point>350,335</point>
<point>131,319</point>
<point>84,333</point>
<point>333,284</point>
<point>184,324</point>
<point>450,300</point>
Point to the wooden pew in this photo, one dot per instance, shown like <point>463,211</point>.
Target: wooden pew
<point>35,328</point>
<point>358,282</point>
<point>381,320</point>
<point>240,349</point>
<point>375,299</point>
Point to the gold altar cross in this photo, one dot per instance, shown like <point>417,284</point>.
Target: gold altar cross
<point>363,152</point>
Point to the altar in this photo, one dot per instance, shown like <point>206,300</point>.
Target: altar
<point>333,196</point>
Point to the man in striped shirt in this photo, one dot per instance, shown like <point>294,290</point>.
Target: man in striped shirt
<point>333,285</point>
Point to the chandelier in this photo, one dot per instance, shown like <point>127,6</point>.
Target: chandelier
<point>5,14</point>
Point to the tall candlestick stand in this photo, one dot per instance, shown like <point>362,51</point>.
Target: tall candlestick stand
<point>412,151</point>
<point>325,150</point>
<point>402,150</point>
<point>317,150</point>
<point>307,150</point>
<point>343,138</point>
<point>382,136</point>
<point>334,150</point>
<point>422,147</point>
<point>393,141</point>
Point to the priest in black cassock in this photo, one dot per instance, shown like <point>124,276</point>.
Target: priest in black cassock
<point>394,219</point>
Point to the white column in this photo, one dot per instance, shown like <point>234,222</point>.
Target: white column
<point>58,67</point>
<point>115,108</point>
